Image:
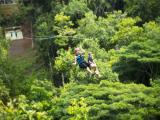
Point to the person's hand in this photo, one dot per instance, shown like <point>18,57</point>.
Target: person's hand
<point>74,63</point>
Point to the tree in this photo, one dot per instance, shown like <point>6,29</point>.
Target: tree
<point>63,29</point>
<point>127,32</point>
<point>115,29</point>
<point>43,5</point>
<point>108,101</point>
<point>147,10</point>
<point>140,60</point>
<point>99,7</point>
<point>3,50</point>
<point>76,9</point>
<point>3,57</point>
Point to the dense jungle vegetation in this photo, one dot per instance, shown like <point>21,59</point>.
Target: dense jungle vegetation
<point>43,84</point>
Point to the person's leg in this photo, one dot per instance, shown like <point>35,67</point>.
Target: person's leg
<point>88,69</point>
<point>97,72</point>
<point>94,67</point>
<point>85,65</point>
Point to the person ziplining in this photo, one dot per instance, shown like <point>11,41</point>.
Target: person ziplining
<point>90,65</point>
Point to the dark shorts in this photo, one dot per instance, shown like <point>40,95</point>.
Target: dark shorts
<point>84,65</point>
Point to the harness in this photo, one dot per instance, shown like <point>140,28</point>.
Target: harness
<point>80,59</point>
<point>90,59</point>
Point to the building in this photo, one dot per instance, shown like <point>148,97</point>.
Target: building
<point>13,33</point>
<point>20,37</point>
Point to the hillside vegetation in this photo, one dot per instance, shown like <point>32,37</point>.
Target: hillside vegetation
<point>44,84</point>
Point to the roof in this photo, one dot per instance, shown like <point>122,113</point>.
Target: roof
<point>13,28</point>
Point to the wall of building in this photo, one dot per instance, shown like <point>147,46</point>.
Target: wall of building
<point>19,47</point>
<point>14,34</point>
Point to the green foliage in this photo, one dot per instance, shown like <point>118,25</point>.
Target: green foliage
<point>99,7</point>
<point>33,105</point>
<point>128,32</point>
<point>147,10</point>
<point>88,24</point>
<point>66,71</point>
<point>24,110</point>
<point>1,19</point>
<point>26,86</point>
<point>106,100</point>
<point>64,61</point>
<point>140,60</point>
<point>63,28</point>
<point>115,29</point>
<point>110,100</point>
<point>76,9</point>
<point>41,90</point>
<point>78,109</point>
<point>43,25</point>
<point>4,92</point>
<point>19,16</point>
<point>101,57</point>
<point>43,6</point>
<point>3,49</point>
<point>152,31</point>
<point>156,82</point>
<point>62,67</point>
<point>44,28</point>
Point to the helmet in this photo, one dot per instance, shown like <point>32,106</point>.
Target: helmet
<point>90,53</point>
<point>77,50</point>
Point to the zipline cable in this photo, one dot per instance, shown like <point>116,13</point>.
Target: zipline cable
<point>51,37</point>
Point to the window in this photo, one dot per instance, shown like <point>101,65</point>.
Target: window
<point>14,34</point>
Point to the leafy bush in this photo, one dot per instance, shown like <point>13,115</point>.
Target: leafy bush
<point>75,9</point>
<point>115,29</point>
<point>110,100</point>
<point>4,92</point>
<point>140,60</point>
<point>147,10</point>
<point>120,47</point>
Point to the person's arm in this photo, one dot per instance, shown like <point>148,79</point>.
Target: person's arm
<point>75,61</point>
<point>90,59</point>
